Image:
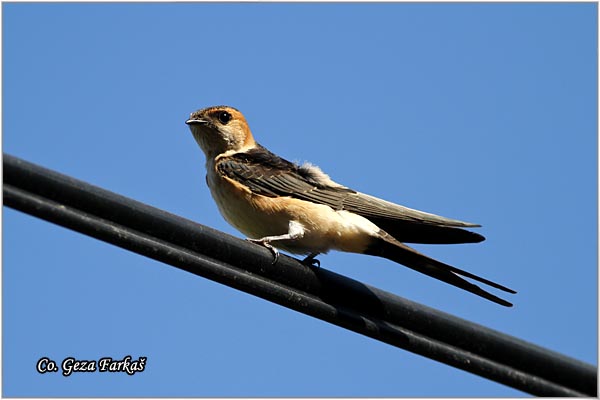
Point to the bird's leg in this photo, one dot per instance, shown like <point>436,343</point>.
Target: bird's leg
<point>266,242</point>
<point>296,231</point>
<point>311,261</point>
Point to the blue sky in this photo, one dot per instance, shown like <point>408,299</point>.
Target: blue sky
<point>481,112</point>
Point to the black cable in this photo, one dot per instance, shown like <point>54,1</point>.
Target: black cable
<point>317,292</point>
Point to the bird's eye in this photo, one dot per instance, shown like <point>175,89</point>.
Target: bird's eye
<point>224,117</point>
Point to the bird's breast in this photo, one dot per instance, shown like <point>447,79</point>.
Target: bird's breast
<point>253,215</point>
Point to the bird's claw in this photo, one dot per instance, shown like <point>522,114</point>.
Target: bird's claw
<point>269,246</point>
<point>311,261</point>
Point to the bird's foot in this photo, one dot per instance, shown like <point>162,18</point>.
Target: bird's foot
<point>268,245</point>
<point>311,261</point>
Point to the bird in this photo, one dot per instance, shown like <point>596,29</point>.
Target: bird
<point>297,208</point>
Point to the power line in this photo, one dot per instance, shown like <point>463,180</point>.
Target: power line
<point>317,292</point>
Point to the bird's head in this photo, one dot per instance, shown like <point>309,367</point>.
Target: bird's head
<point>220,129</point>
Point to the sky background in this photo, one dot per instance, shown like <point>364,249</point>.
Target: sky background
<point>481,112</point>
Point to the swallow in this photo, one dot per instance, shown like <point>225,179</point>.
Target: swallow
<point>300,209</point>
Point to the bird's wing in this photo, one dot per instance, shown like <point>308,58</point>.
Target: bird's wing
<point>270,175</point>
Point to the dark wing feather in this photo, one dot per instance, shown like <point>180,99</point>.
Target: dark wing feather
<point>270,175</point>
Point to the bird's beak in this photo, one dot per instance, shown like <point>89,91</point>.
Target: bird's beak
<point>196,121</point>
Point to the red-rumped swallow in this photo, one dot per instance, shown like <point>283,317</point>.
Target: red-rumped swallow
<point>298,208</point>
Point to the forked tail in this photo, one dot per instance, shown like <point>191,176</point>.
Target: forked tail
<point>390,248</point>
